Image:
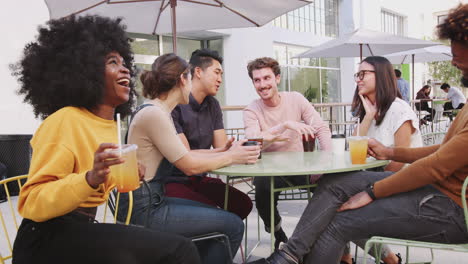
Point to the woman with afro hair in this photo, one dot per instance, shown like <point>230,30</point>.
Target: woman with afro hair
<point>77,75</point>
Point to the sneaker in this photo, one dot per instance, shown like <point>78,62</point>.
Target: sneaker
<point>278,257</point>
<point>280,236</point>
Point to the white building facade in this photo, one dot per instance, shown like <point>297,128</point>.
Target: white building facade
<point>324,80</point>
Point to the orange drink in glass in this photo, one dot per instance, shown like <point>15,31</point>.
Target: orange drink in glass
<point>358,149</point>
<point>126,174</point>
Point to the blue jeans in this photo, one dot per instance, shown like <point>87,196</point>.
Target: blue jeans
<point>190,218</point>
<point>423,214</point>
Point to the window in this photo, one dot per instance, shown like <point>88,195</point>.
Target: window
<point>147,48</point>
<point>392,23</point>
<point>441,19</point>
<point>319,18</point>
<point>317,79</point>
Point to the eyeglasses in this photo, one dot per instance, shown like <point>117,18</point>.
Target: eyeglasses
<point>361,74</point>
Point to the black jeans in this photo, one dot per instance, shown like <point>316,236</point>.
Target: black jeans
<point>423,214</point>
<point>262,196</point>
<point>424,106</point>
<point>65,240</point>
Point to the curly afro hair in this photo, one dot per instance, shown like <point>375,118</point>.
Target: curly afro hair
<point>455,27</point>
<point>66,64</point>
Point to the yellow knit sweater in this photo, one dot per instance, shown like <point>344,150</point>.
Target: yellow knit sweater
<point>63,151</point>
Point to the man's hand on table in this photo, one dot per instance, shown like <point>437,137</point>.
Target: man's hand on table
<point>300,128</point>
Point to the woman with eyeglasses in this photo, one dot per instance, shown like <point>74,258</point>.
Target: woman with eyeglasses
<point>382,113</point>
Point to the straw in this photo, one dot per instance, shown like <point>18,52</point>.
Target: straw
<point>258,133</point>
<point>119,140</point>
<point>358,122</point>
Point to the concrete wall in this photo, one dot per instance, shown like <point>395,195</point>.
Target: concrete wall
<point>19,20</point>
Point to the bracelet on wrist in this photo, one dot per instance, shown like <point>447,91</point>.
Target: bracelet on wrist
<point>370,191</point>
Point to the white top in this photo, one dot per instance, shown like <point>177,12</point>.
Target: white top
<point>456,96</point>
<point>397,114</point>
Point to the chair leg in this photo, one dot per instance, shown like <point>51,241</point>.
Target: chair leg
<point>228,247</point>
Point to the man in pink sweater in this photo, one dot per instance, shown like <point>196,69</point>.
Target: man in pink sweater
<point>281,119</point>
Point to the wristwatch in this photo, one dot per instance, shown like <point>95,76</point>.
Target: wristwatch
<point>370,191</point>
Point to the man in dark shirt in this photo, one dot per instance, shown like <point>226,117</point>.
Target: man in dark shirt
<point>200,123</point>
<point>200,127</point>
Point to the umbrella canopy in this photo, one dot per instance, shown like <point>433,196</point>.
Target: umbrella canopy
<point>364,43</point>
<point>429,54</point>
<point>159,16</point>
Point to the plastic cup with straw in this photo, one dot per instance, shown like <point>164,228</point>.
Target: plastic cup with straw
<point>125,174</point>
<point>358,147</point>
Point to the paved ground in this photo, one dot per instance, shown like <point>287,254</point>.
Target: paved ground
<point>291,211</point>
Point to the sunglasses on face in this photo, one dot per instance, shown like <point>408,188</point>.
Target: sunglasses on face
<point>360,75</point>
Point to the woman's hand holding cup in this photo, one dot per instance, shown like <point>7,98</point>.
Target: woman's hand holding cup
<point>102,161</point>
<point>244,154</point>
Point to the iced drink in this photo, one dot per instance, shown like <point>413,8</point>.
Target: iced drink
<point>254,142</point>
<point>308,143</point>
<point>126,174</point>
<point>358,149</point>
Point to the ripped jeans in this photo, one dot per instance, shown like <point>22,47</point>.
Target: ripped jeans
<point>424,214</point>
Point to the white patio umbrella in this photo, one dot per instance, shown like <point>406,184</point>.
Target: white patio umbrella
<point>364,43</point>
<point>428,54</point>
<point>159,16</point>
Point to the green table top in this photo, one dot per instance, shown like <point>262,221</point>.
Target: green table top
<point>299,163</point>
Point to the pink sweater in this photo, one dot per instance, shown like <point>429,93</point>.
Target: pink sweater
<point>293,107</point>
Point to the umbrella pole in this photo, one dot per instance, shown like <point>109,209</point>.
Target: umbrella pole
<point>174,26</point>
<point>360,51</point>
<point>412,75</point>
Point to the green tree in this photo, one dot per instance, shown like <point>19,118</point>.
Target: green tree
<point>444,71</point>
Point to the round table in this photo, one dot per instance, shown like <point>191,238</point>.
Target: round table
<point>294,163</point>
<point>299,163</point>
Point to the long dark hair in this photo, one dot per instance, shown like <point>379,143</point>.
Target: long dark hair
<point>424,88</point>
<point>386,89</point>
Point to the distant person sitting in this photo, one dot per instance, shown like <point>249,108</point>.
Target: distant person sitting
<point>456,97</point>
<point>403,86</point>
<point>423,105</point>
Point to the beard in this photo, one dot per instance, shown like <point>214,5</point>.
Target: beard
<point>464,81</point>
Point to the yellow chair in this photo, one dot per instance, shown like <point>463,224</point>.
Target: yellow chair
<point>9,228</point>
<point>419,244</point>
<point>10,218</point>
<point>112,204</point>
